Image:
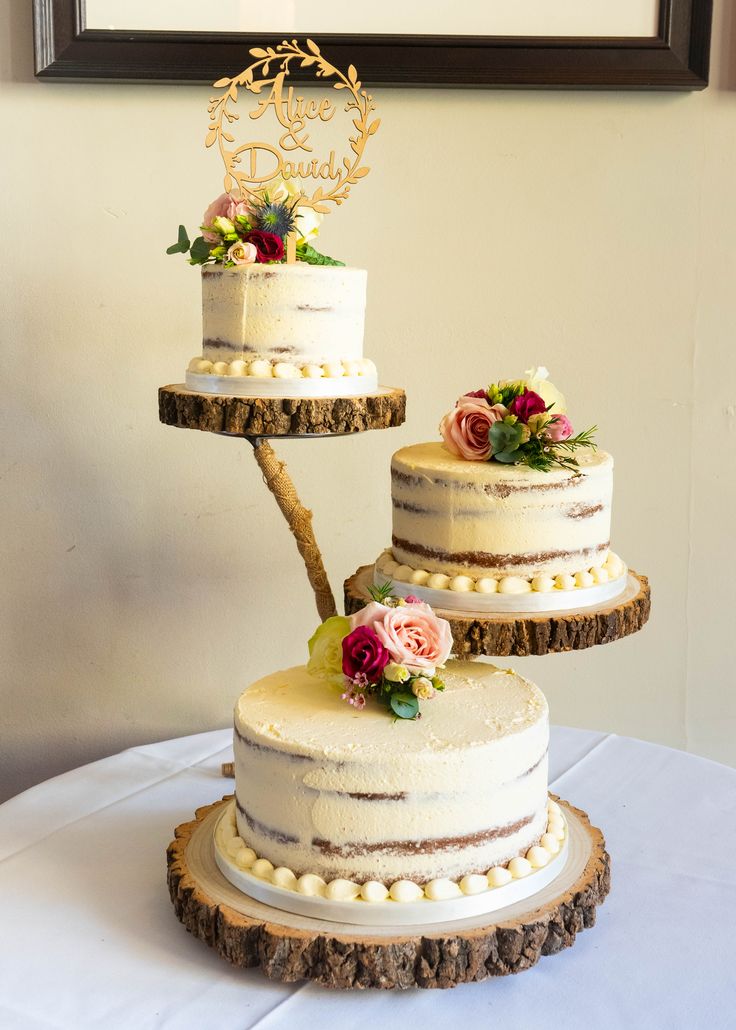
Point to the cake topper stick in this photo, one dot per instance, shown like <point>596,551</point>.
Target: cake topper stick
<point>252,167</point>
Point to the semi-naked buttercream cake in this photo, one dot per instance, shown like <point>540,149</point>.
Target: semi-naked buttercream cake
<point>275,328</point>
<point>360,797</point>
<point>471,532</point>
<point>382,773</point>
<point>278,318</point>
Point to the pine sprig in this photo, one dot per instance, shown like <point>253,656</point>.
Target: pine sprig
<point>584,439</point>
<point>381,593</point>
<point>543,457</point>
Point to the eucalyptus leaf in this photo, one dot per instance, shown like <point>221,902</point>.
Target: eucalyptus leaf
<point>404,705</point>
<point>182,244</point>
<point>200,251</point>
<point>507,457</point>
<point>504,438</point>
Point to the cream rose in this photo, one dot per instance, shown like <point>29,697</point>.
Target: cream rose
<point>325,650</point>
<point>308,220</point>
<point>423,688</point>
<point>241,253</point>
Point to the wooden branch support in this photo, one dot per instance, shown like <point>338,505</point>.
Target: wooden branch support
<point>256,418</point>
<point>299,519</point>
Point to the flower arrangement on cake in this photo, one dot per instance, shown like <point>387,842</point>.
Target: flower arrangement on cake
<point>237,231</point>
<point>515,422</point>
<point>390,650</point>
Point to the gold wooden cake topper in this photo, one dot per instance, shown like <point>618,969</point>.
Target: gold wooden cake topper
<point>251,166</point>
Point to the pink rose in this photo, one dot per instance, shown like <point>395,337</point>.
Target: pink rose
<point>559,429</point>
<point>218,209</point>
<point>239,207</point>
<point>465,429</point>
<point>412,634</point>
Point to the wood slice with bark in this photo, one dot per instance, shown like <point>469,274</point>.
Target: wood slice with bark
<point>337,955</point>
<point>280,416</point>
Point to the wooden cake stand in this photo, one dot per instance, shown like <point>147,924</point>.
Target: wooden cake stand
<point>290,947</point>
<point>523,634</point>
<point>256,418</point>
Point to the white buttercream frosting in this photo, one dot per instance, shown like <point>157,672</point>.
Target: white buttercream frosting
<point>296,313</point>
<point>403,891</point>
<point>510,594</point>
<point>358,796</point>
<point>506,522</point>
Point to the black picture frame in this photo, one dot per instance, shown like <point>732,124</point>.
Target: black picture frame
<point>677,58</point>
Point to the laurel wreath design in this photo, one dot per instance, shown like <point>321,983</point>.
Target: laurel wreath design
<point>254,78</point>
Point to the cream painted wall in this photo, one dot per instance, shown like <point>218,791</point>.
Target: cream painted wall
<point>146,577</point>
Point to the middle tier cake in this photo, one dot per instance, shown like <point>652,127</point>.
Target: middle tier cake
<point>350,794</point>
<point>482,519</point>
<point>511,512</point>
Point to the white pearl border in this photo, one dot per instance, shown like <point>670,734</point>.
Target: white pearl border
<point>404,902</point>
<point>473,600</point>
<point>251,386</point>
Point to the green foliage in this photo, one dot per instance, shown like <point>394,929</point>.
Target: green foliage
<point>380,593</point>
<point>505,440</point>
<point>310,256</point>
<point>182,244</point>
<point>504,393</point>
<point>404,705</point>
<point>201,251</point>
<point>537,452</point>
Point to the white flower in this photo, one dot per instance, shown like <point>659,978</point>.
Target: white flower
<point>395,673</point>
<point>308,221</point>
<point>422,688</point>
<point>537,379</point>
<point>223,225</point>
<point>307,224</point>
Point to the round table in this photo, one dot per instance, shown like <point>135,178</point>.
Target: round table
<point>89,937</point>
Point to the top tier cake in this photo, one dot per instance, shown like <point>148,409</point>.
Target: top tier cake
<point>272,327</point>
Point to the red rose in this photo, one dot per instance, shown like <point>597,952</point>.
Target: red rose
<point>527,404</point>
<point>270,247</point>
<point>363,653</point>
<point>476,393</point>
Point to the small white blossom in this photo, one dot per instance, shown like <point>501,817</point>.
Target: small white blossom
<point>422,688</point>
<point>395,673</point>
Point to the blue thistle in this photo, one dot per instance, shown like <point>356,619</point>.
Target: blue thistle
<point>276,217</point>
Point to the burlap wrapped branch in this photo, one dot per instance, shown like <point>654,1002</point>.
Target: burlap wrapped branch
<point>299,519</point>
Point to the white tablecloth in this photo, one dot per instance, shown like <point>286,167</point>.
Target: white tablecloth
<point>88,936</point>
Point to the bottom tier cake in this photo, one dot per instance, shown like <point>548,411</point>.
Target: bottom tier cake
<point>327,794</point>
